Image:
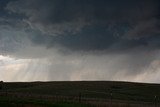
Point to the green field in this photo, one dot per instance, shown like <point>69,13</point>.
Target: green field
<point>68,94</point>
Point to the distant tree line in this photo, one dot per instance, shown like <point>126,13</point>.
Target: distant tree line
<point>1,85</point>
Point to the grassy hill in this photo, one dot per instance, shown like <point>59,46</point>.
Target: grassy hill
<point>104,90</point>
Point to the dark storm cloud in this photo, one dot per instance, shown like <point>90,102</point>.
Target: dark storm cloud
<point>90,24</point>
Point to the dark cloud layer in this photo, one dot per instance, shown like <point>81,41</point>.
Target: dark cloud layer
<point>92,25</point>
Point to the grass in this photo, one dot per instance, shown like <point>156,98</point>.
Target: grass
<point>124,91</point>
<point>97,89</point>
<point>12,102</point>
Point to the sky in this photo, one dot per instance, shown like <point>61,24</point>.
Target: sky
<point>78,40</point>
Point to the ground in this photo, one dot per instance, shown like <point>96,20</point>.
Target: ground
<point>78,93</point>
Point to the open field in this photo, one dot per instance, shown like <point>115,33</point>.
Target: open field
<point>79,93</point>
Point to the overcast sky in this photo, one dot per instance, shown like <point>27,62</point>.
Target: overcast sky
<point>57,40</point>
